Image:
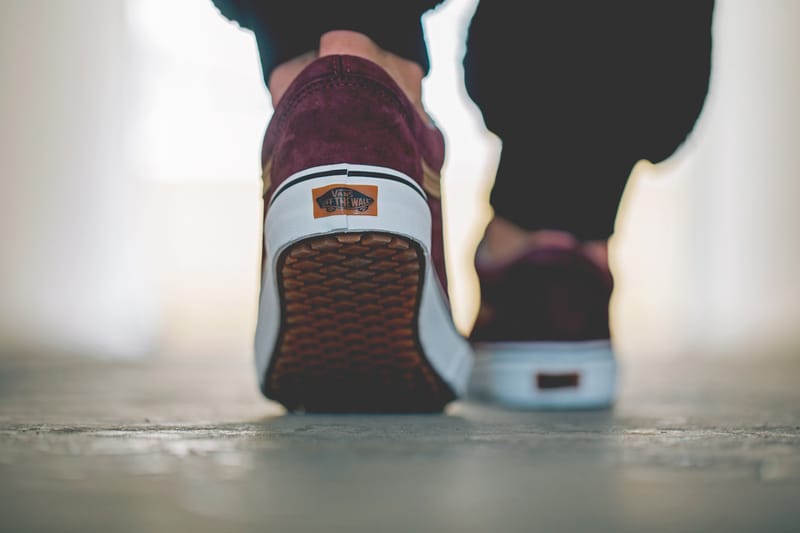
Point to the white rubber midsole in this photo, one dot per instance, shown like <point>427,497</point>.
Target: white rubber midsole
<point>401,210</point>
<point>577,374</point>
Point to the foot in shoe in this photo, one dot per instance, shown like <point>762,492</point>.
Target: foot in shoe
<point>353,313</point>
<point>542,333</point>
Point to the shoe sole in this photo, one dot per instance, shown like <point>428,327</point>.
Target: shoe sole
<point>545,375</point>
<point>349,339</point>
<point>351,316</point>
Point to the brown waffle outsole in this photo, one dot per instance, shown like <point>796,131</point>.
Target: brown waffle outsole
<point>348,339</point>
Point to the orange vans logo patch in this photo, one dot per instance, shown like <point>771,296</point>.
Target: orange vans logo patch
<point>345,200</point>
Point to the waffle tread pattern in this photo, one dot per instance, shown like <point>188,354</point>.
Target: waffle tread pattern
<point>349,340</point>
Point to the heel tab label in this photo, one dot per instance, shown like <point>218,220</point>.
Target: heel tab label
<point>339,199</point>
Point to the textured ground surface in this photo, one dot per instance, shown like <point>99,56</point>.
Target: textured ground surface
<point>189,445</point>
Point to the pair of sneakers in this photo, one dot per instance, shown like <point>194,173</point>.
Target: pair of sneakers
<point>354,314</point>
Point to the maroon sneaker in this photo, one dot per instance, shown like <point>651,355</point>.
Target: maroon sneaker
<point>542,336</point>
<point>353,312</point>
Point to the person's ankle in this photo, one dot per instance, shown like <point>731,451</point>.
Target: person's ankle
<point>284,74</point>
<point>504,241</point>
<point>597,251</point>
<point>406,73</point>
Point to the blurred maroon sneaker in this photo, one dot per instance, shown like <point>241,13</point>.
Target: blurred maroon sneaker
<point>353,312</point>
<point>542,335</point>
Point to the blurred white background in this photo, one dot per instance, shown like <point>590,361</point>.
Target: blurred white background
<point>130,207</point>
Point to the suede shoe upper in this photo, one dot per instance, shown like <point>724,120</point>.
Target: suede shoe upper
<point>546,294</point>
<point>347,109</point>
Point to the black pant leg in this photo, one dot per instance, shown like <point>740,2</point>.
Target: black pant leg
<point>285,29</point>
<point>578,92</point>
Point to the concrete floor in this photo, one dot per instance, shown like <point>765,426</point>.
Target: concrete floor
<point>189,445</point>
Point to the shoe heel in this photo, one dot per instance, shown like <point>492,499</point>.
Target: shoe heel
<point>351,316</point>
